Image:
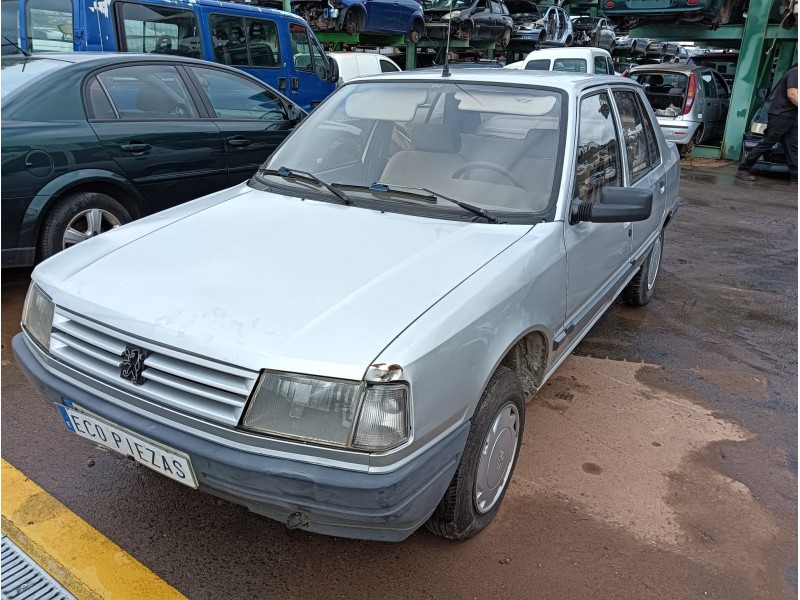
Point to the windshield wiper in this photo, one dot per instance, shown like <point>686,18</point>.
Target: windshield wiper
<point>382,188</point>
<point>306,176</point>
<point>475,210</point>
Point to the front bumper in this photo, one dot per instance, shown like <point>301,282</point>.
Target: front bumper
<point>327,500</point>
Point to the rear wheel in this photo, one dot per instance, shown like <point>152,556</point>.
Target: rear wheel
<point>77,218</point>
<point>640,289</point>
<point>483,475</point>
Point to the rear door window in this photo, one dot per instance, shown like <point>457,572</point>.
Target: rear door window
<point>709,88</point>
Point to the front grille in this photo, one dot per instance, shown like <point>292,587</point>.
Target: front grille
<point>193,385</point>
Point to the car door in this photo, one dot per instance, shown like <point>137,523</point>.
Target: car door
<point>157,131</point>
<point>308,71</point>
<point>598,254</point>
<point>644,166</point>
<point>482,19</point>
<point>724,96</point>
<point>252,118</point>
<point>710,107</point>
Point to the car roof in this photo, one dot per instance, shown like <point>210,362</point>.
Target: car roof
<point>670,68</point>
<point>565,52</point>
<point>571,82</point>
<point>101,58</point>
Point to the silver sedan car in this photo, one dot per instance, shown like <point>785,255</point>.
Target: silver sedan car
<point>345,343</point>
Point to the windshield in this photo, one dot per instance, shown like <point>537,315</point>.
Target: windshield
<point>22,71</point>
<point>591,21</point>
<point>492,146</point>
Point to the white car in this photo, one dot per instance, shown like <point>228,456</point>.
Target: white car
<point>569,60</point>
<point>345,343</point>
<point>357,64</point>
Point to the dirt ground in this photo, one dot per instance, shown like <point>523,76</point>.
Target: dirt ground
<point>659,462</point>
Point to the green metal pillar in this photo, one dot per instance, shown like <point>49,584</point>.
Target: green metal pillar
<point>747,72</point>
<point>787,56</point>
<point>287,6</point>
<point>411,56</point>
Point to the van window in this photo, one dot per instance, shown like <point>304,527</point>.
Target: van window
<point>158,30</point>
<point>600,65</point>
<point>537,65</point>
<point>570,65</point>
<point>245,42</point>
<point>301,48</point>
<point>49,25</point>
<point>10,23</point>
<point>387,67</point>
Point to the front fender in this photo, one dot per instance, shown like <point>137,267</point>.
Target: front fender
<point>50,193</point>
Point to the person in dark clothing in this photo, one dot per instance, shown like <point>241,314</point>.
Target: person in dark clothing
<point>781,127</point>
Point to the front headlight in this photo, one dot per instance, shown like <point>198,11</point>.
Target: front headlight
<point>758,128</point>
<point>331,412</point>
<point>453,14</point>
<point>37,315</point>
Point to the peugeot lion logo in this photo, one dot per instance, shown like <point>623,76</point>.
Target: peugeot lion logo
<point>132,364</point>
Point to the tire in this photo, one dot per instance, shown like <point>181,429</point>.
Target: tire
<point>475,493</point>
<point>640,289</point>
<point>79,217</point>
<point>506,39</point>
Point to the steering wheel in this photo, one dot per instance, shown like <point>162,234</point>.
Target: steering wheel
<point>486,165</point>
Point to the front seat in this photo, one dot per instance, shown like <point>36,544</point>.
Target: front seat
<point>436,155</point>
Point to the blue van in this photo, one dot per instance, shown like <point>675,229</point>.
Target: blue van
<point>277,47</point>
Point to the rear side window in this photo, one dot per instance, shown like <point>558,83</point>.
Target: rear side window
<point>158,30</point>
<point>537,65</point>
<point>598,160</point>
<point>145,92</point>
<point>570,65</point>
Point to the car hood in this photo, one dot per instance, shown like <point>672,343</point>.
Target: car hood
<point>262,280</point>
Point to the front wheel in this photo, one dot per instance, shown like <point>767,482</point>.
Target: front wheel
<point>640,289</point>
<point>481,480</point>
<point>77,218</point>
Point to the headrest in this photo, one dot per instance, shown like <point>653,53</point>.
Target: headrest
<point>656,80</point>
<point>151,99</point>
<point>540,143</point>
<point>435,138</point>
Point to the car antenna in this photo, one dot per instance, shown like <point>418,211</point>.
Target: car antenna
<point>24,52</point>
<point>446,68</point>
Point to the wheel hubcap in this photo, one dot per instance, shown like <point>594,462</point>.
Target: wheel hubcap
<point>88,223</point>
<point>655,262</point>
<point>497,458</point>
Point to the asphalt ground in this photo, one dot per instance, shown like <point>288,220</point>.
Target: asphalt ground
<point>659,462</point>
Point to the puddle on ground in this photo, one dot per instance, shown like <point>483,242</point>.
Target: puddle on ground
<point>628,454</point>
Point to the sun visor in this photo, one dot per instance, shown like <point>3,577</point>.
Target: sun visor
<point>386,103</point>
<point>516,103</point>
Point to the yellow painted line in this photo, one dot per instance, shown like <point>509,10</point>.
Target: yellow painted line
<point>78,556</point>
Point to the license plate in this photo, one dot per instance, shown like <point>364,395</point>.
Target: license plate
<point>158,457</point>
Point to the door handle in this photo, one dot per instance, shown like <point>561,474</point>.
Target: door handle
<point>239,142</point>
<point>295,83</point>
<point>281,83</point>
<point>662,185</point>
<point>135,147</point>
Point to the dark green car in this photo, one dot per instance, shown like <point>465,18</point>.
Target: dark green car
<point>92,141</point>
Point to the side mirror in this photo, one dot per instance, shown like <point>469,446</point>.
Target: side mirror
<point>761,94</point>
<point>333,70</point>
<point>294,113</point>
<point>616,205</point>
